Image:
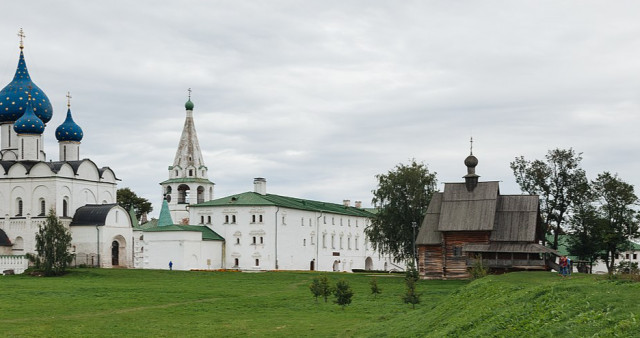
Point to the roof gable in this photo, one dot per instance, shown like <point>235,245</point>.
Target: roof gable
<point>464,210</point>
<point>516,218</point>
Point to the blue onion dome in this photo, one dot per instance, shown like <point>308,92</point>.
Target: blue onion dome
<point>189,105</point>
<point>29,122</point>
<point>13,97</point>
<point>69,130</point>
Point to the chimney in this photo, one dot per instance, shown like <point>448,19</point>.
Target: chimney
<point>359,204</point>
<point>260,185</point>
<point>346,203</point>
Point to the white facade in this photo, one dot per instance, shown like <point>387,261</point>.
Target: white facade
<point>274,237</point>
<point>185,249</point>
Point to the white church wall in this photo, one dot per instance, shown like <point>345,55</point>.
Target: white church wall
<point>185,249</point>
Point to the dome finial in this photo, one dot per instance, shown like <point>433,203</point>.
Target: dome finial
<point>22,36</point>
<point>471,151</point>
<point>189,104</point>
<point>68,100</point>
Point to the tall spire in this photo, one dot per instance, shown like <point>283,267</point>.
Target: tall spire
<point>471,178</point>
<point>188,153</point>
<point>164,218</point>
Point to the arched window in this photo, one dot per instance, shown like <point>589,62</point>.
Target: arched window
<point>226,218</point>
<point>65,207</point>
<point>19,207</point>
<point>253,218</point>
<point>257,262</point>
<point>18,244</point>
<point>200,196</point>
<point>183,194</point>
<point>208,219</point>
<point>236,262</point>
<point>260,218</point>
<point>233,219</point>
<point>201,219</point>
<point>254,240</point>
<point>42,207</point>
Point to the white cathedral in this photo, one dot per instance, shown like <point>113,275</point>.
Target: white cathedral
<point>252,230</point>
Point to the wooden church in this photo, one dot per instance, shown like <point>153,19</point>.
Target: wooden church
<point>471,220</point>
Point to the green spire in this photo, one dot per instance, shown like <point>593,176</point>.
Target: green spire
<point>134,219</point>
<point>165,217</point>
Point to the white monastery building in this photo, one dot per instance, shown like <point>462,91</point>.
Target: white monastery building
<point>82,194</point>
<point>251,230</point>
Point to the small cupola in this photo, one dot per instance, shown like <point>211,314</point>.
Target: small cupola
<point>471,179</point>
<point>29,123</point>
<point>69,130</point>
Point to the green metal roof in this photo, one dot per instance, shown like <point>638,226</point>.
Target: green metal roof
<point>255,199</point>
<point>187,180</point>
<point>207,233</point>
<point>134,219</point>
<point>165,216</point>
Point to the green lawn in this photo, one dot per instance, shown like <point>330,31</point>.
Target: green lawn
<point>96,302</point>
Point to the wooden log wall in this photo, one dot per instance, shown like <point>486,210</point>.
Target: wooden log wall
<point>430,261</point>
<point>455,263</point>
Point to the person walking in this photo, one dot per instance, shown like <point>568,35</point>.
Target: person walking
<point>170,265</point>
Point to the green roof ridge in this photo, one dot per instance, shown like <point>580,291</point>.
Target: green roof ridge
<point>134,218</point>
<point>253,198</point>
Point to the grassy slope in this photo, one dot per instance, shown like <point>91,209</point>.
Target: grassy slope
<point>530,304</point>
<point>145,303</point>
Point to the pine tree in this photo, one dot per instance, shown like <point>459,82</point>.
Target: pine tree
<point>325,287</point>
<point>411,278</point>
<point>53,241</point>
<point>375,289</point>
<point>343,293</point>
<point>316,288</point>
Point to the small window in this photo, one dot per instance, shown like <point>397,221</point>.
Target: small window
<point>65,208</point>
<point>349,222</point>
<point>302,221</point>
<point>457,251</point>
<point>226,218</point>
<point>333,221</point>
<point>19,202</point>
<point>257,262</point>
<point>341,221</point>
<point>309,221</point>
<point>201,219</point>
<point>349,243</point>
<point>324,240</point>
<point>333,241</point>
<point>254,240</point>
<point>324,219</point>
<point>190,172</point>
<point>340,242</point>
<point>260,218</point>
<point>236,262</point>
<point>253,218</point>
<point>261,240</point>
<point>176,173</point>
<point>626,256</point>
<point>238,240</point>
<point>304,242</point>
<point>635,256</point>
<point>233,219</point>
<point>208,219</point>
<point>313,235</point>
<point>356,243</point>
<point>42,207</point>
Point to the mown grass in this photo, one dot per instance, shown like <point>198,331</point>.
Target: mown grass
<point>95,302</point>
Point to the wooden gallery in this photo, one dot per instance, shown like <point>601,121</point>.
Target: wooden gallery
<point>470,220</point>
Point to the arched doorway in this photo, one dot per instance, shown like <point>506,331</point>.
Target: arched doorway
<point>336,265</point>
<point>368,263</point>
<point>312,265</point>
<point>115,253</point>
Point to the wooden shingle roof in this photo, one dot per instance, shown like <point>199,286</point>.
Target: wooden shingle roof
<point>468,211</point>
<point>516,219</point>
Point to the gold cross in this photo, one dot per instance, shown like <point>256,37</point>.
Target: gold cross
<point>68,100</point>
<point>22,36</point>
<point>189,90</point>
<point>471,145</point>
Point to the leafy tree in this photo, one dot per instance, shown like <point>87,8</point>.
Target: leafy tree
<point>555,180</point>
<point>343,293</point>
<point>402,197</point>
<point>616,199</point>
<point>586,226</point>
<point>321,287</point>
<point>53,241</point>
<point>127,198</point>
<point>375,289</point>
<point>411,278</point>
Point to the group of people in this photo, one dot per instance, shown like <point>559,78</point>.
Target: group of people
<point>565,266</point>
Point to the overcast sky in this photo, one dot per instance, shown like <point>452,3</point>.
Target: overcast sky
<point>320,96</point>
